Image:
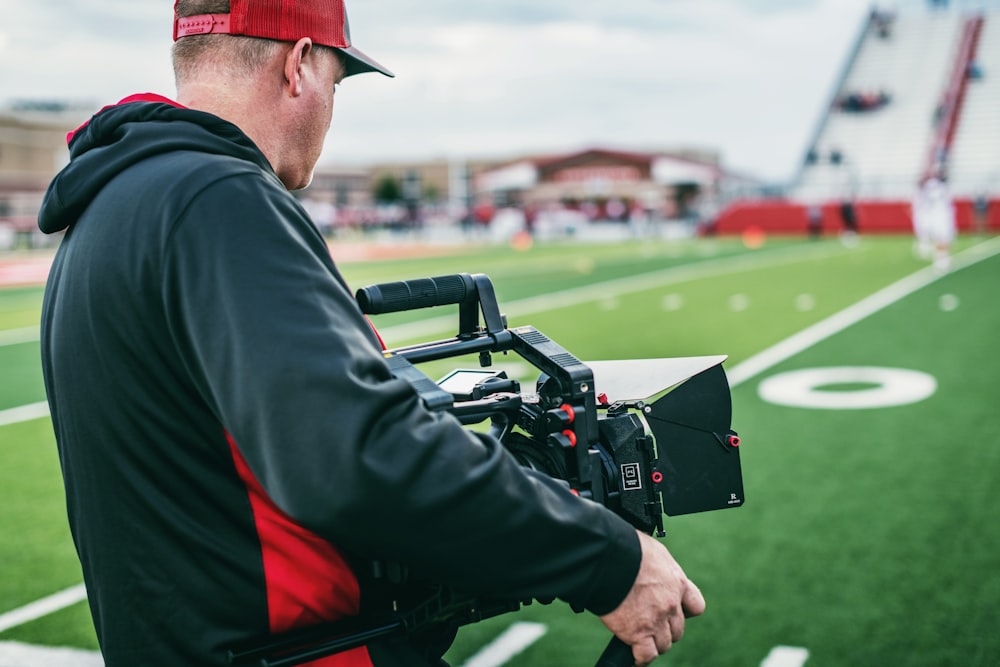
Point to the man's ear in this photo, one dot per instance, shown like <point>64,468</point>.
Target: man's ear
<point>294,62</point>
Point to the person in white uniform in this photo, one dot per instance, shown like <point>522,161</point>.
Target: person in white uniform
<point>934,224</point>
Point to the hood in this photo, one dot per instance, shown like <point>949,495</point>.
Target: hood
<point>124,134</point>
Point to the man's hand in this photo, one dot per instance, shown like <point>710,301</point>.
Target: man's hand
<point>651,617</point>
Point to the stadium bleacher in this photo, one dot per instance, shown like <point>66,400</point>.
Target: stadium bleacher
<point>883,149</point>
<point>935,77</point>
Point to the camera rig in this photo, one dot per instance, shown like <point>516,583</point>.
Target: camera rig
<point>605,428</point>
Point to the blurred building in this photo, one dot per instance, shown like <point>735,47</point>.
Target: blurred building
<point>32,150</point>
<point>615,185</point>
<point>394,193</point>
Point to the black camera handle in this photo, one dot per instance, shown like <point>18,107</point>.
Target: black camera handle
<point>471,292</point>
<point>617,654</point>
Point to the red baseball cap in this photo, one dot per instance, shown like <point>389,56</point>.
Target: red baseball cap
<point>323,21</point>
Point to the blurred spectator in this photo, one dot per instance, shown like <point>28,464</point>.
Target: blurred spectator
<point>849,219</point>
<point>863,101</point>
<point>814,220</point>
<point>981,211</point>
<point>483,213</point>
<point>882,21</point>
<point>615,209</point>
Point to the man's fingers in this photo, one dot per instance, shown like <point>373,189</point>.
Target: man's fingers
<point>645,651</point>
<point>665,640</point>
<point>676,623</point>
<point>692,601</point>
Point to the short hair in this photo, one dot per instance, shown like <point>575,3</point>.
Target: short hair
<point>239,54</point>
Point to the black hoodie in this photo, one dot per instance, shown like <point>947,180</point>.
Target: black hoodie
<point>229,431</point>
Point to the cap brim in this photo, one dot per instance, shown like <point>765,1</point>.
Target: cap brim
<point>357,62</point>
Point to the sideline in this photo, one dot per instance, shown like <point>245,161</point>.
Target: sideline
<point>870,305</point>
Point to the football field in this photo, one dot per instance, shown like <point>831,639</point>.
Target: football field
<point>865,390</point>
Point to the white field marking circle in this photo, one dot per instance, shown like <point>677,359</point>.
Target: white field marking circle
<point>804,388</point>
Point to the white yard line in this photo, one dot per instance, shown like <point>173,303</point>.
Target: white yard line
<point>17,654</point>
<point>18,336</point>
<point>43,607</point>
<point>786,656</point>
<point>508,644</point>
<point>24,413</point>
<point>853,314</point>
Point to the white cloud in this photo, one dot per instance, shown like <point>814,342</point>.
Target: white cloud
<point>746,77</point>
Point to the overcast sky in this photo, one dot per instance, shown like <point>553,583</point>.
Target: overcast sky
<point>494,78</point>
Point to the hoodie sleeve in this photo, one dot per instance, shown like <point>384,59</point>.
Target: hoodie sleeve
<point>277,345</point>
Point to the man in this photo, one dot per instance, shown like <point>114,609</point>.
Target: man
<point>232,441</point>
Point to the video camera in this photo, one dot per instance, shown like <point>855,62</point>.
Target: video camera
<point>605,428</point>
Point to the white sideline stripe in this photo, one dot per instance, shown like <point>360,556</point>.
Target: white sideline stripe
<point>43,607</point>
<point>509,643</point>
<point>786,656</point>
<point>24,413</point>
<point>17,654</point>
<point>18,336</point>
<point>854,313</point>
<point>598,291</point>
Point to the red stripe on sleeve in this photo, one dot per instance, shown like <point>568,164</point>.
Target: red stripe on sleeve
<point>307,579</point>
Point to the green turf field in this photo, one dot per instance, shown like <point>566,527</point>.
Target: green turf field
<point>868,536</point>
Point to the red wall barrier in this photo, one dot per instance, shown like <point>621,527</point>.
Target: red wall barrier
<point>874,217</point>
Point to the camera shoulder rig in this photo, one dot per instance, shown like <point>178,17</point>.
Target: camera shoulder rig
<point>610,430</point>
